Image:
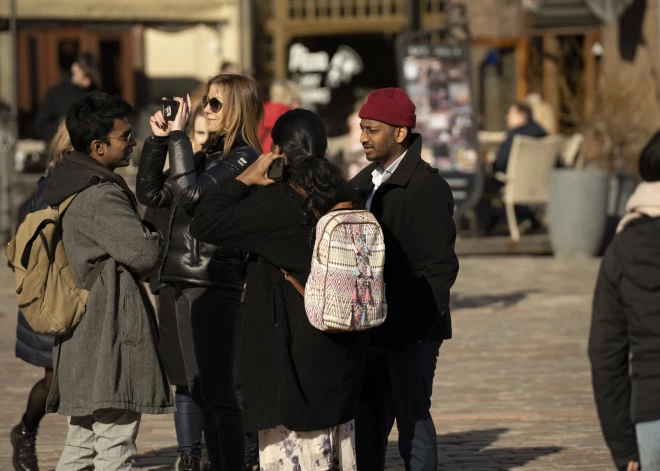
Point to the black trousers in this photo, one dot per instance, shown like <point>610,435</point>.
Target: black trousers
<point>398,385</point>
<point>210,316</point>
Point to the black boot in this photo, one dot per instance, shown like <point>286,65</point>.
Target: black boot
<point>24,443</point>
<point>190,461</point>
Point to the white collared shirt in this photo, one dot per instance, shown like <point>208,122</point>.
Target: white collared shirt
<point>380,176</point>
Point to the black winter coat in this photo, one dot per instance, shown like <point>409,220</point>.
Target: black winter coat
<point>624,344</point>
<point>187,260</point>
<point>169,347</point>
<point>292,374</point>
<point>34,348</point>
<point>54,107</point>
<point>414,207</point>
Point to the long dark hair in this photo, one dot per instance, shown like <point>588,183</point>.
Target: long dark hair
<point>300,135</point>
<point>649,160</point>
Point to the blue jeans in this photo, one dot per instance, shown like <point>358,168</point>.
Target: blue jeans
<point>398,385</point>
<point>188,422</point>
<point>648,443</point>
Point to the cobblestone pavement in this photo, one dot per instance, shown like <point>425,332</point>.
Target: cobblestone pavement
<point>512,390</point>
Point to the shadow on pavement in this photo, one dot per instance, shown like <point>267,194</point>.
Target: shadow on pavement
<point>501,300</point>
<point>157,460</point>
<point>456,452</point>
<point>467,451</point>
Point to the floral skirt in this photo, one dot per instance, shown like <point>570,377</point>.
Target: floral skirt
<point>333,449</point>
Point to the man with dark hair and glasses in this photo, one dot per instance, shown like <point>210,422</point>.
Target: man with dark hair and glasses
<point>107,370</point>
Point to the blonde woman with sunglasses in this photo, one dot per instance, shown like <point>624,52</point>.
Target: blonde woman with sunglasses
<point>209,279</point>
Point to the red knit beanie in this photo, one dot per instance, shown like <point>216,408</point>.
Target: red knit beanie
<point>390,106</point>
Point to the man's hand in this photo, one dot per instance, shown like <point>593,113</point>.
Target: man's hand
<point>633,466</point>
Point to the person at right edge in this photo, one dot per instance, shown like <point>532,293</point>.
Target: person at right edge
<point>624,342</point>
<point>414,206</point>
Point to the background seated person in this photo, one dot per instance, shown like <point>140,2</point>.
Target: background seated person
<point>520,123</point>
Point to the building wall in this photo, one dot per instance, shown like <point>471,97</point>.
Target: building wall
<point>495,18</point>
<point>641,76</point>
<point>5,67</point>
<point>194,52</point>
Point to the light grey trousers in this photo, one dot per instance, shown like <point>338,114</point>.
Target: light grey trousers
<point>104,441</point>
<point>648,443</point>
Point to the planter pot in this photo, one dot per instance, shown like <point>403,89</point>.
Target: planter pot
<point>621,189</point>
<point>577,211</point>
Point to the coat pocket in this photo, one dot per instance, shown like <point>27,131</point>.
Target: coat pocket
<point>130,317</point>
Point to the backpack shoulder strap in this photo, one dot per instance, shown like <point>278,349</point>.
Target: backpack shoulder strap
<point>300,190</point>
<point>95,274</point>
<point>342,205</point>
<point>96,271</point>
<point>65,204</point>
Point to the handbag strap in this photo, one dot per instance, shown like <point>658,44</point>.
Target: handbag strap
<point>296,284</point>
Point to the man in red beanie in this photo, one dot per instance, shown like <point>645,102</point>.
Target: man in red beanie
<point>414,205</point>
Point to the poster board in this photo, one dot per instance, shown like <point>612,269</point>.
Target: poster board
<point>438,79</point>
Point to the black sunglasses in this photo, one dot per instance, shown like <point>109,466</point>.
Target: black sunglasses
<point>214,103</point>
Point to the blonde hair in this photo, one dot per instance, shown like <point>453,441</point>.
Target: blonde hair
<point>59,144</point>
<point>242,109</point>
<point>284,91</point>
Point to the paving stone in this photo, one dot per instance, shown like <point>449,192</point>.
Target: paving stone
<point>512,390</point>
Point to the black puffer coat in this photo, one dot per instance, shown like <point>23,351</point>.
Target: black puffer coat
<point>187,260</point>
<point>624,341</point>
<point>34,348</point>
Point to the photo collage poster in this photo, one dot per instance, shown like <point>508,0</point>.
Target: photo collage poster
<point>437,79</point>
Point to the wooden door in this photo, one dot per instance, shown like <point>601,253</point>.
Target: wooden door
<point>45,56</point>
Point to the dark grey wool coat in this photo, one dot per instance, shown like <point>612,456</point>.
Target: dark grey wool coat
<point>110,359</point>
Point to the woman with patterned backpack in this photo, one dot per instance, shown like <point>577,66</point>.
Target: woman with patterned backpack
<point>301,384</point>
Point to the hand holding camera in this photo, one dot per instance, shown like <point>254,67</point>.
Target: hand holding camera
<point>173,116</point>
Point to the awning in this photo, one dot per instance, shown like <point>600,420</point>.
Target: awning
<point>608,10</point>
<point>560,13</point>
<point>135,11</point>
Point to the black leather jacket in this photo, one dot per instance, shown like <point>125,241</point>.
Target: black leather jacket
<point>186,260</point>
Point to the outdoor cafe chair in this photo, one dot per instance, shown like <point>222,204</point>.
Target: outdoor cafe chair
<point>527,179</point>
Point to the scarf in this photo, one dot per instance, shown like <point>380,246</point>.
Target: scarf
<point>645,201</point>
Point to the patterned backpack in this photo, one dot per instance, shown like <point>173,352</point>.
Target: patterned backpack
<point>345,291</point>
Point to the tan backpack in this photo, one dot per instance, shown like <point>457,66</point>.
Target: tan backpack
<point>47,293</point>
